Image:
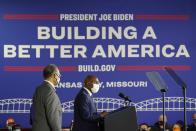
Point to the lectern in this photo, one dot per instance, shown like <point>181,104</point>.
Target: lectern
<point>122,119</point>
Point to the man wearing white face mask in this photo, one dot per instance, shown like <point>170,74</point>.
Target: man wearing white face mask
<point>47,112</point>
<point>86,117</point>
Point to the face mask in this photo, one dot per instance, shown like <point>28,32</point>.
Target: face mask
<point>95,88</point>
<point>160,123</point>
<point>176,129</point>
<point>144,130</point>
<point>57,80</point>
<point>9,128</point>
<point>17,130</point>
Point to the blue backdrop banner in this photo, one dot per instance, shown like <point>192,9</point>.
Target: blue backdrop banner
<point>118,41</point>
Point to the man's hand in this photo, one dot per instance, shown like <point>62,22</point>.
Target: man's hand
<point>104,113</point>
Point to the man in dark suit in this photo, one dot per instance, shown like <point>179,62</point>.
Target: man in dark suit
<point>158,126</point>
<point>46,104</point>
<point>86,117</point>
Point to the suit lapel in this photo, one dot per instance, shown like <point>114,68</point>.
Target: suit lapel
<point>91,99</point>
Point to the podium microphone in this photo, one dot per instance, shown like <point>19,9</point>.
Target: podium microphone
<point>124,97</point>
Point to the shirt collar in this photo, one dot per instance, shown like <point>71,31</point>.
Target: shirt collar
<point>50,84</point>
<point>88,91</point>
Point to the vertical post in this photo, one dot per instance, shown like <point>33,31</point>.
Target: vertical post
<point>163,111</point>
<point>184,92</point>
<point>163,96</point>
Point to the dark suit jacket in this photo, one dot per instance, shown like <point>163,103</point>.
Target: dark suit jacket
<point>85,113</point>
<point>192,128</point>
<point>156,127</point>
<point>47,109</point>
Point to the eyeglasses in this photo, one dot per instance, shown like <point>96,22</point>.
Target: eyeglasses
<point>59,75</point>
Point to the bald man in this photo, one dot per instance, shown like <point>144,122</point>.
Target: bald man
<point>86,117</point>
<point>46,110</point>
<point>193,126</point>
<point>158,126</point>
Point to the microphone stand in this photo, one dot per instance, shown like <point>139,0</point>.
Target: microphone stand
<point>179,81</point>
<point>163,96</point>
<point>184,93</point>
